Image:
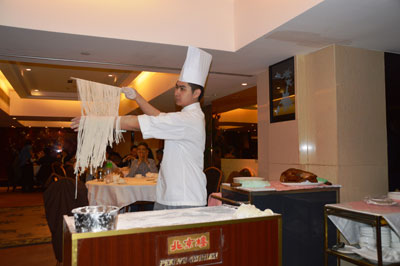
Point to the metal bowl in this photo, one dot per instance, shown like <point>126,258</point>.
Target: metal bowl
<point>95,218</point>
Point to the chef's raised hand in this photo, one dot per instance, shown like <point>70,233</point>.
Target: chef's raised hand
<point>75,123</point>
<point>130,93</point>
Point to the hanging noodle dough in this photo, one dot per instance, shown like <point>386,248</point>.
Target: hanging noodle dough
<point>99,108</point>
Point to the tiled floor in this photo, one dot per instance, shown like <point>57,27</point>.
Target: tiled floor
<point>40,255</point>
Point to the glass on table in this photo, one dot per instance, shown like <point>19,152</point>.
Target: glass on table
<point>99,174</point>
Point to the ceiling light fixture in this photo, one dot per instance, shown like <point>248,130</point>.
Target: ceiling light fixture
<point>36,90</point>
<point>28,69</point>
<point>244,84</point>
<point>14,118</point>
<point>110,75</point>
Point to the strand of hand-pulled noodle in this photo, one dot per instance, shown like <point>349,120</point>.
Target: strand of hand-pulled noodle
<point>99,108</point>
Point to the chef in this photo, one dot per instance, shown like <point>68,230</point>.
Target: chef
<point>181,181</point>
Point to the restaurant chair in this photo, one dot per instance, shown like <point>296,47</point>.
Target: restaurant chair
<point>214,176</point>
<point>231,176</point>
<point>246,172</point>
<point>58,169</point>
<point>59,199</point>
<point>69,170</point>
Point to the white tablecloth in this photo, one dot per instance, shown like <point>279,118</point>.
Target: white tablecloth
<point>350,229</point>
<point>121,195</point>
<point>133,220</point>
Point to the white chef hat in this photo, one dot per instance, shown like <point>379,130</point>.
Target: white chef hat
<point>196,66</point>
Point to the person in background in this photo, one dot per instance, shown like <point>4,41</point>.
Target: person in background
<point>45,162</point>
<point>25,164</point>
<point>128,159</point>
<point>64,157</point>
<point>216,157</point>
<point>231,153</point>
<point>109,159</point>
<point>14,173</point>
<point>151,156</point>
<point>159,155</point>
<point>143,165</point>
<point>113,156</point>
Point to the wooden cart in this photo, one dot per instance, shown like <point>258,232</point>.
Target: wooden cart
<point>219,241</point>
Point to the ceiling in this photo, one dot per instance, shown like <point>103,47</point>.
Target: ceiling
<point>55,57</point>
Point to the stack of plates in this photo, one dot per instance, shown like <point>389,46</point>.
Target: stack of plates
<point>252,182</point>
<point>367,237</point>
<point>385,236</point>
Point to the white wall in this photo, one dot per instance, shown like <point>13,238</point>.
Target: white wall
<point>283,148</point>
<point>361,112</point>
<point>263,124</point>
<point>277,142</point>
<point>340,127</point>
<point>316,113</point>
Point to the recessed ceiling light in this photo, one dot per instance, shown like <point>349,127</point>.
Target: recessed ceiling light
<point>35,90</point>
<point>110,75</point>
<point>28,69</point>
<point>14,118</point>
<point>244,84</point>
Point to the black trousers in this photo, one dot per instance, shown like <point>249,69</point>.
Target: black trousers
<point>27,177</point>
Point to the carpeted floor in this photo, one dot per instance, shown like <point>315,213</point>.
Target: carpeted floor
<point>19,198</point>
<point>23,226</point>
<point>32,255</point>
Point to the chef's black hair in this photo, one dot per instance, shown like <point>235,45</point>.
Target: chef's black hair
<point>195,87</point>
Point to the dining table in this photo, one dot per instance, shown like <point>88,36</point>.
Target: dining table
<point>121,194</point>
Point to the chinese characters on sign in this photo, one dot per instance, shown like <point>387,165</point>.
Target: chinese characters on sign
<point>188,243</point>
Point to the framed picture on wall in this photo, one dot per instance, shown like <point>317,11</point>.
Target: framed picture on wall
<point>281,91</point>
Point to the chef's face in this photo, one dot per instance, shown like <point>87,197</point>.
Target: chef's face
<point>184,95</point>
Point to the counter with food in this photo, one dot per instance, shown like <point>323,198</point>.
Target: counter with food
<point>221,235</point>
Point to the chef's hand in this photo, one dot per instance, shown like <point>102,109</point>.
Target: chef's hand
<point>75,123</point>
<point>130,93</point>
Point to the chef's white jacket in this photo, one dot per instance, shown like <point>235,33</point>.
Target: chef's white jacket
<point>181,180</point>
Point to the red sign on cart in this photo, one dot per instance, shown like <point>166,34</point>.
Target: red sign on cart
<point>188,243</point>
